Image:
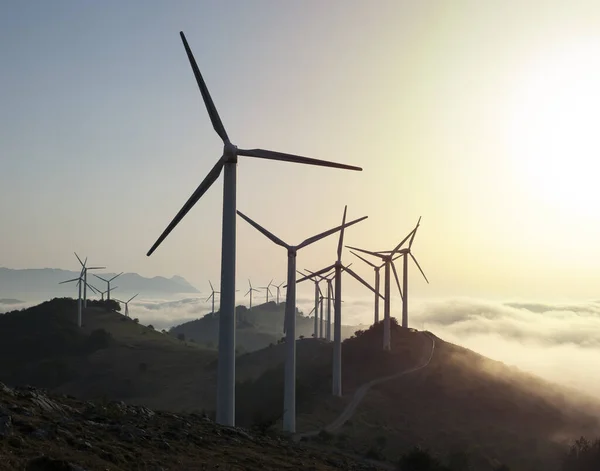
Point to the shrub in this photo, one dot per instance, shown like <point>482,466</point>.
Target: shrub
<point>136,320</point>
<point>150,326</point>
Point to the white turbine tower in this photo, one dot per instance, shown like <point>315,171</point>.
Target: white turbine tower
<point>127,304</point>
<point>388,258</point>
<point>108,284</point>
<point>85,283</point>
<point>226,364</point>
<point>289,407</point>
<point>250,291</point>
<point>212,296</point>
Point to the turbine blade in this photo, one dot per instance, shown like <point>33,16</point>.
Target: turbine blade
<point>363,259</point>
<point>272,155</point>
<point>211,286</point>
<point>265,232</point>
<point>316,273</point>
<point>211,295</point>
<point>320,236</point>
<point>341,241</point>
<point>113,288</point>
<point>419,267</point>
<point>375,254</point>
<point>78,258</point>
<point>397,280</point>
<point>204,186</point>
<point>92,288</point>
<point>116,276</point>
<point>403,240</point>
<point>210,106</point>
<point>85,262</point>
<point>132,297</point>
<point>414,233</point>
<point>247,293</point>
<point>357,277</point>
<point>311,311</point>
<point>96,268</point>
<point>69,281</point>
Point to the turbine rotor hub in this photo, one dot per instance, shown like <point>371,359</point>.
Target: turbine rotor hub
<point>229,152</point>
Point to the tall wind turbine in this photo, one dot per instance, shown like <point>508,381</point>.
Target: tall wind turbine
<point>127,304</point>
<point>266,288</point>
<point>79,281</point>
<point>289,407</point>
<point>108,284</point>
<point>85,283</point>
<point>278,287</point>
<point>212,296</point>
<point>388,258</point>
<point>250,291</point>
<point>406,253</point>
<point>226,364</point>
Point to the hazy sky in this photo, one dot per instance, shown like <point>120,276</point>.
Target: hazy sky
<point>478,116</point>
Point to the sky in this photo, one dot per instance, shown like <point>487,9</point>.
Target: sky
<point>477,116</point>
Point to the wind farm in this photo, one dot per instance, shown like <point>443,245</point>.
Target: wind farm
<point>408,309</point>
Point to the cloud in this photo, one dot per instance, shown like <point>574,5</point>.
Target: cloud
<point>558,342</point>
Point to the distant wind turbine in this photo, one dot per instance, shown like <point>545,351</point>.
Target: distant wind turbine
<point>316,308</point>
<point>85,270</point>
<point>225,414</point>
<point>108,284</point>
<point>212,296</point>
<point>250,291</point>
<point>289,409</point>
<point>388,259</point>
<point>127,304</point>
<point>267,289</point>
<point>278,287</point>
<point>376,268</point>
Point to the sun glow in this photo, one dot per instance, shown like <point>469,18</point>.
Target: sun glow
<point>554,133</point>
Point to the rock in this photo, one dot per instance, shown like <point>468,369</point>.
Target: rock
<point>6,427</point>
<point>16,441</point>
<point>45,463</point>
<point>5,389</point>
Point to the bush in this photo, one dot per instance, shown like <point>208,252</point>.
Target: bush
<point>150,326</point>
<point>136,320</point>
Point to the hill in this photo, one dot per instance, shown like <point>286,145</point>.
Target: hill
<point>37,281</point>
<point>257,328</point>
<point>41,432</point>
<point>461,402</point>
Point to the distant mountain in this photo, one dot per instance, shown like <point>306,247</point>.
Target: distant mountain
<point>46,280</point>
<point>10,301</point>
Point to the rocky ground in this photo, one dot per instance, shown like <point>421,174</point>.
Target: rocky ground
<point>41,432</point>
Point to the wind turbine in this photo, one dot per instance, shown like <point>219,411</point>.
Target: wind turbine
<point>108,284</point>
<point>406,252</point>
<point>278,287</point>
<point>212,296</point>
<point>250,291</point>
<point>267,289</point>
<point>388,260</point>
<point>127,304</point>
<point>85,283</point>
<point>289,407</point>
<point>79,281</point>
<point>376,268</point>
<point>315,309</point>
<point>225,414</point>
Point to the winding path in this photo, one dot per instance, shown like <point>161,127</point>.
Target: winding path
<point>362,391</point>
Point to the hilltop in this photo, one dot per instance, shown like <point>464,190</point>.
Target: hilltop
<point>33,281</point>
<point>461,402</point>
<point>257,328</point>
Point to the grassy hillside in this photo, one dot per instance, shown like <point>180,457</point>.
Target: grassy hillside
<point>465,402</point>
